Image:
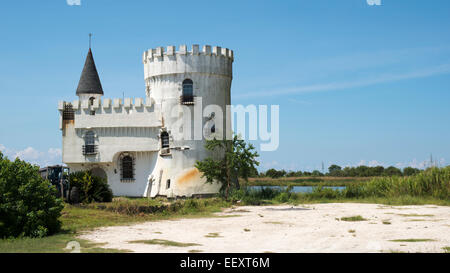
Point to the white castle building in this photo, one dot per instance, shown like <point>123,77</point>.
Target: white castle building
<point>148,146</point>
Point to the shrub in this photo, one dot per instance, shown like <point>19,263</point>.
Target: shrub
<point>283,197</point>
<point>28,203</point>
<point>320,192</point>
<point>434,182</point>
<point>90,188</point>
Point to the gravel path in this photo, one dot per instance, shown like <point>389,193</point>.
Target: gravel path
<point>308,228</point>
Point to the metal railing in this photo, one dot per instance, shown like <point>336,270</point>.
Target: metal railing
<point>187,99</point>
<point>90,149</point>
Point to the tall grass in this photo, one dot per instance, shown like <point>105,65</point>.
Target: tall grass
<point>432,184</point>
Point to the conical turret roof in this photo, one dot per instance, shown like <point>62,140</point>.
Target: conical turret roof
<point>89,80</point>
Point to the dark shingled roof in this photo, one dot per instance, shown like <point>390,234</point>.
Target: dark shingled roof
<point>89,80</point>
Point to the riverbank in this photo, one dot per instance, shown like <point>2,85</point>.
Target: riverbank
<point>305,181</point>
<point>333,227</point>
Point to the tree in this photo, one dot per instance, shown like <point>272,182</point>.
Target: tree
<point>335,170</point>
<point>392,171</point>
<point>233,159</point>
<point>294,174</point>
<point>408,171</point>
<point>377,171</point>
<point>28,203</point>
<point>275,174</point>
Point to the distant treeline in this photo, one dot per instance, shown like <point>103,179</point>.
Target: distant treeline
<point>338,171</point>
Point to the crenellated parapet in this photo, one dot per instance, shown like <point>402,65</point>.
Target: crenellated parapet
<point>158,54</point>
<point>110,113</point>
<point>107,104</point>
<point>170,60</point>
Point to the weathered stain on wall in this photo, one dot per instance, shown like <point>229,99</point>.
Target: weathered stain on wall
<point>189,176</point>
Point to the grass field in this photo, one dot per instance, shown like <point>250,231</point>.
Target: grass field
<point>122,211</point>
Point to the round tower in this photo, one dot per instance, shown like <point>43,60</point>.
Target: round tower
<point>192,89</point>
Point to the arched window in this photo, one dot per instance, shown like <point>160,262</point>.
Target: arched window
<point>89,147</point>
<point>164,140</point>
<point>127,168</point>
<point>91,103</point>
<point>188,92</point>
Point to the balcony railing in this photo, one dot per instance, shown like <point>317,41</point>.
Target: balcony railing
<point>89,149</point>
<point>187,100</point>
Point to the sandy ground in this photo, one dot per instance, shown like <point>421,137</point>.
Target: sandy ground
<point>308,228</point>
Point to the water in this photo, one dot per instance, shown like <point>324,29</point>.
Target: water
<point>302,189</point>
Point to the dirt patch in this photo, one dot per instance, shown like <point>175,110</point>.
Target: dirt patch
<point>308,230</point>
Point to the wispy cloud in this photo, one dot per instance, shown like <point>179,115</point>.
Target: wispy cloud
<point>74,2</point>
<point>296,101</point>
<point>30,154</point>
<point>335,86</point>
<point>295,166</point>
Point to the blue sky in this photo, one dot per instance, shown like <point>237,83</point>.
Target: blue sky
<point>356,84</point>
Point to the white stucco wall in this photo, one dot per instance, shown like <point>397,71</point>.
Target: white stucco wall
<point>145,162</point>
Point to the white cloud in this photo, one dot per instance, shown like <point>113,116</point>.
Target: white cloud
<point>296,101</point>
<point>334,86</point>
<point>33,156</point>
<point>269,165</point>
<point>28,154</point>
<point>295,166</point>
<point>74,2</point>
<point>414,164</point>
<point>369,163</point>
<point>54,152</point>
<point>374,163</point>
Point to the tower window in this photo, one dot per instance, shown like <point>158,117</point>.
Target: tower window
<point>127,166</point>
<point>68,112</point>
<point>89,147</point>
<point>168,184</point>
<point>165,140</point>
<point>213,129</point>
<point>188,92</point>
<point>91,103</point>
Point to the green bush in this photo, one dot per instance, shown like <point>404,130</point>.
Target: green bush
<point>256,196</point>
<point>28,203</point>
<point>321,192</point>
<point>90,188</point>
<point>283,197</point>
